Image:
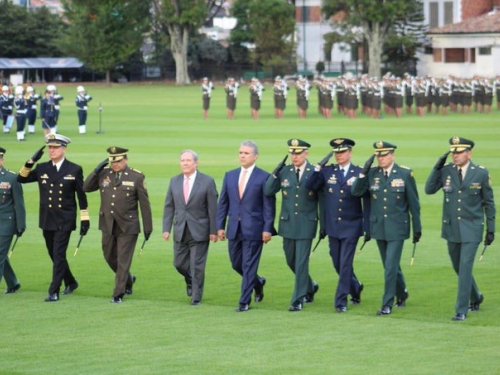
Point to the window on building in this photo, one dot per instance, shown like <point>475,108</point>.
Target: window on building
<point>472,55</point>
<point>428,50</point>
<point>437,55</point>
<point>484,50</point>
<point>306,14</point>
<point>454,55</point>
<point>433,14</point>
<point>448,12</point>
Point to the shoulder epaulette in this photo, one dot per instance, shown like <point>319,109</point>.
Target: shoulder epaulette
<point>480,166</point>
<point>8,170</point>
<point>135,170</point>
<point>402,166</point>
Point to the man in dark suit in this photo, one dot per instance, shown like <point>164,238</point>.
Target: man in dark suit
<point>393,198</point>
<point>59,180</point>
<point>191,206</point>
<point>344,217</point>
<point>298,218</point>
<point>250,221</point>
<point>468,200</point>
<point>121,188</point>
<point>13,216</point>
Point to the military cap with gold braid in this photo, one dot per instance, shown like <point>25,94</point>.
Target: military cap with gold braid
<point>458,144</point>
<point>297,146</point>
<point>341,144</point>
<point>2,152</point>
<point>57,140</point>
<point>383,148</point>
<point>116,153</point>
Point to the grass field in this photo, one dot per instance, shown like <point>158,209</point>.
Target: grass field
<point>156,330</point>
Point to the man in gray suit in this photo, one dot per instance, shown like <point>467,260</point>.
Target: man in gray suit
<point>191,206</point>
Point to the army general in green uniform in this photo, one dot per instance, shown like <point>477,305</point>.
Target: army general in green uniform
<point>393,198</point>
<point>13,218</point>
<point>468,200</point>
<point>298,218</point>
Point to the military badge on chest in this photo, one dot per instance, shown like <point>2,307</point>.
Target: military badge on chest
<point>447,185</point>
<point>332,180</point>
<point>106,182</point>
<point>376,184</point>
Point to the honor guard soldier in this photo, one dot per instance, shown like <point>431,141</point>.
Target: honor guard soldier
<point>344,217</point>
<point>82,100</point>
<point>21,104</point>
<point>32,99</point>
<point>231,90</point>
<point>13,216</point>
<point>121,188</point>
<point>298,218</point>
<point>48,112</point>
<point>6,106</point>
<point>393,198</point>
<point>255,90</point>
<point>467,202</point>
<point>59,180</point>
<point>206,89</point>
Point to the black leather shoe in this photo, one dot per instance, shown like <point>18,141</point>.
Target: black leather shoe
<point>458,317</point>
<point>259,291</point>
<point>195,303</point>
<point>70,288</point>
<point>242,307</point>
<point>116,300</point>
<point>384,310</point>
<point>401,302</point>
<point>52,298</point>
<point>356,299</point>
<point>475,305</point>
<point>14,289</point>
<point>309,298</point>
<point>296,306</point>
<point>341,309</point>
<point>189,290</point>
<point>128,290</point>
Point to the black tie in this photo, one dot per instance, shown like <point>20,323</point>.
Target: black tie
<point>117,177</point>
<point>297,172</point>
<point>386,175</point>
<point>460,175</point>
<point>55,167</point>
<point>341,175</point>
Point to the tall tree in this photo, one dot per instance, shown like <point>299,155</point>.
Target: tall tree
<point>104,33</point>
<point>375,18</point>
<point>28,34</point>
<point>179,19</point>
<point>267,24</point>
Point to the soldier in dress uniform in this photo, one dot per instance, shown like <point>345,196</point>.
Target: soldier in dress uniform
<point>32,99</point>
<point>467,202</point>
<point>82,100</point>
<point>298,218</point>
<point>59,180</point>
<point>21,105</point>
<point>231,90</point>
<point>6,106</point>
<point>393,198</point>
<point>344,217</point>
<point>255,90</point>
<point>48,112</point>
<point>206,90</point>
<point>121,188</point>
<point>280,89</point>
<point>13,216</point>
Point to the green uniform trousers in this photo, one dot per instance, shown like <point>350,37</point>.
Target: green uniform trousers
<point>5,268</point>
<point>394,282</point>
<point>297,257</point>
<point>462,255</point>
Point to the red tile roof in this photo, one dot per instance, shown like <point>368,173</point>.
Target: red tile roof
<point>487,23</point>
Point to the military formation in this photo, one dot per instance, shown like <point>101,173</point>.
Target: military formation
<point>344,201</point>
<point>19,106</point>
<point>371,96</point>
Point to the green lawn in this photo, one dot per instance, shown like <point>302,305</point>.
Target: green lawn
<point>156,330</point>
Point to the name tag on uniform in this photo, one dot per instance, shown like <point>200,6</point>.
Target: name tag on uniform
<point>5,185</point>
<point>69,177</point>
<point>128,183</point>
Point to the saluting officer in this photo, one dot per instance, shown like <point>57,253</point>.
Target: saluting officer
<point>468,199</point>
<point>58,181</point>
<point>82,101</point>
<point>298,218</point>
<point>393,198</point>
<point>121,188</point>
<point>344,217</point>
<point>13,216</point>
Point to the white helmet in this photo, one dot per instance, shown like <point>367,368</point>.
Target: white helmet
<point>5,88</point>
<point>80,89</point>
<point>51,88</point>
<point>30,89</point>
<point>19,90</point>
